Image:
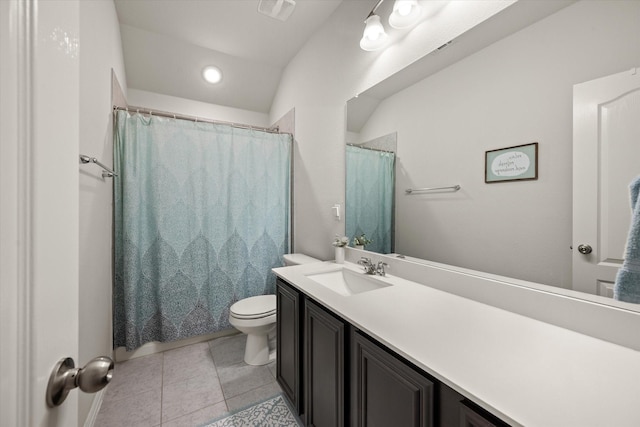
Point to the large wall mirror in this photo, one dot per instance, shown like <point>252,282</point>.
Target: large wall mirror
<point>370,190</point>
<point>487,91</point>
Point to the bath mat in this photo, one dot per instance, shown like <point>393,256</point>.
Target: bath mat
<point>273,412</point>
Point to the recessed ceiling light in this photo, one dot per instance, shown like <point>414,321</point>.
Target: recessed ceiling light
<point>212,74</point>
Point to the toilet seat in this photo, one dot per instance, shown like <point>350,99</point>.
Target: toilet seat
<point>254,307</point>
<point>256,317</point>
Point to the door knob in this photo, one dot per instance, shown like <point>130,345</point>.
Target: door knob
<point>65,377</point>
<point>585,249</point>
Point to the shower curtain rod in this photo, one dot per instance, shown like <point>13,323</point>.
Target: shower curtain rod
<point>372,149</point>
<point>140,110</point>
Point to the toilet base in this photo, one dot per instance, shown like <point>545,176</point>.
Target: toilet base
<point>256,351</point>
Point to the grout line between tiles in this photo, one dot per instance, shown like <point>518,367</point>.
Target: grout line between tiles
<point>162,391</point>
<point>225,398</point>
<point>215,366</point>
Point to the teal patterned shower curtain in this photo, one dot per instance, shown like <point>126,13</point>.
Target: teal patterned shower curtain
<point>370,183</point>
<point>202,214</point>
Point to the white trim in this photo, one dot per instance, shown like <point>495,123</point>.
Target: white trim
<point>16,219</point>
<point>95,407</point>
<point>120,354</point>
<point>9,313</point>
<point>26,370</point>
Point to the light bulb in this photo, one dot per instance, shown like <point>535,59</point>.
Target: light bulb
<point>405,13</point>
<point>373,30</point>
<point>374,36</point>
<point>212,74</point>
<point>403,8</point>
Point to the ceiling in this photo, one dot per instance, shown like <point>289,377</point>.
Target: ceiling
<point>167,43</point>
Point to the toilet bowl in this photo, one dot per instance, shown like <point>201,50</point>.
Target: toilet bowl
<point>256,317</point>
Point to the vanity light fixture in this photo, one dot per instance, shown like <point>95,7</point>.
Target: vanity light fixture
<point>405,14</point>
<point>212,74</point>
<point>374,36</point>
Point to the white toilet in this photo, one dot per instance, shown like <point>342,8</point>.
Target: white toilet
<point>256,317</point>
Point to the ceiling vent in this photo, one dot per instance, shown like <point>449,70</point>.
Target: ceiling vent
<point>278,9</point>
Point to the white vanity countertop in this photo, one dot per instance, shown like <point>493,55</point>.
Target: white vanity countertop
<point>524,371</point>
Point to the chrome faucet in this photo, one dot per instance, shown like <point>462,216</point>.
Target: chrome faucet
<point>380,268</point>
<point>369,267</point>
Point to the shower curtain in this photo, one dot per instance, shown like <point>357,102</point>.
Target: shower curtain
<point>202,214</point>
<point>370,197</point>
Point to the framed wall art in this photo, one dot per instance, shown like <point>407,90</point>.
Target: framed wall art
<point>517,163</point>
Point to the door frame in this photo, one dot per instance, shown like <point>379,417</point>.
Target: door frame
<point>39,135</point>
<point>16,192</point>
<point>587,98</point>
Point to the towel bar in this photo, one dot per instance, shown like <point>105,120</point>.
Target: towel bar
<point>422,190</point>
<point>106,173</point>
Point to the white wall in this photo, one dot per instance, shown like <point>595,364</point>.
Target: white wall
<point>516,91</point>
<point>172,104</point>
<point>328,71</point>
<point>101,51</point>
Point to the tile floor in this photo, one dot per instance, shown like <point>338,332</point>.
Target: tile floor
<point>187,386</point>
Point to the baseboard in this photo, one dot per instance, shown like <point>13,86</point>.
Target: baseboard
<point>121,354</point>
<point>95,408</point>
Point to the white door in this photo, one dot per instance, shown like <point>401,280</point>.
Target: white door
<point>606,158</point>
<point>39,103</point>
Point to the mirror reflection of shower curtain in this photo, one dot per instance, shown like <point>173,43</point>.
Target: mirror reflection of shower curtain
<point>370,182</point>
<point>202,214</point>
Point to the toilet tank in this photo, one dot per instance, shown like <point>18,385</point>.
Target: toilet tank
<point>297,259</point>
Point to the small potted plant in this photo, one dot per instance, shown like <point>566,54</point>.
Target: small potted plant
<point>359,242</point>
<point>340,243</point>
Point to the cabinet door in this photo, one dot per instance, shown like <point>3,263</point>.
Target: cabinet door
<point>474,418</point>
<point>449,402</point>
<point>385,390</point>
<point>324,368</point>
<point>288,356</point>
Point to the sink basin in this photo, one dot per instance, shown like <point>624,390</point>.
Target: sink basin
<point>347,282</point>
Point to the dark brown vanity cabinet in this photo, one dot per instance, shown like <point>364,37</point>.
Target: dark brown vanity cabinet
<point>385,391</point>
<point>289,343</point>
<point>324,367</point>
<point>311,356</point>
<point>471,416</point>
<point>457,411</point>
